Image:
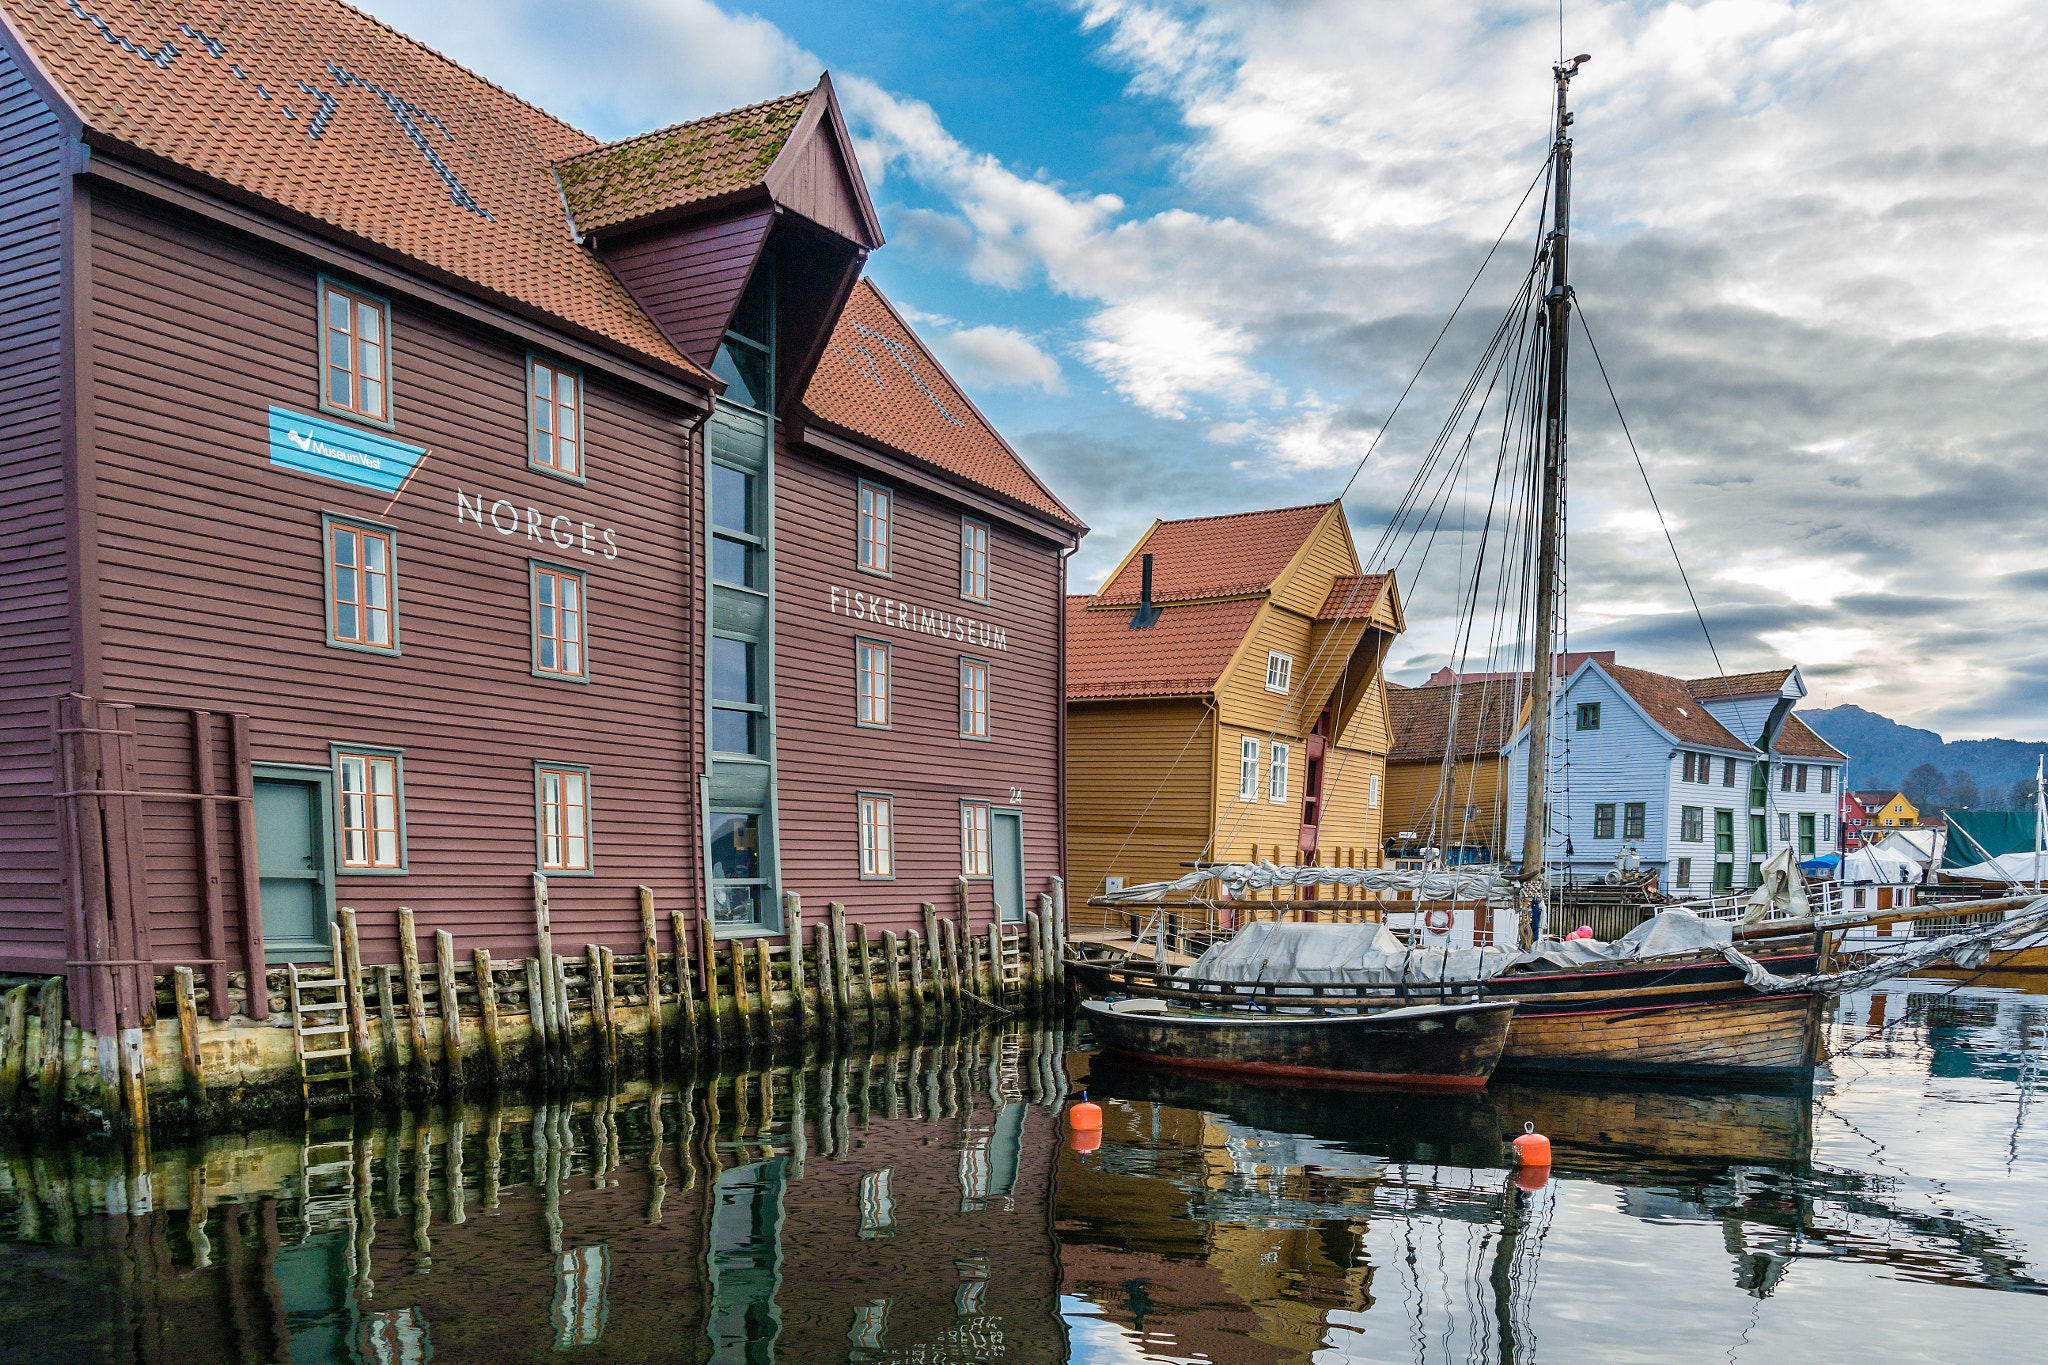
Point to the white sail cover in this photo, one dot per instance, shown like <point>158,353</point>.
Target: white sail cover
<point>1447,884</point>
<point>2025,868</point>
<point>1266,950</point>
<point>1672,931</point>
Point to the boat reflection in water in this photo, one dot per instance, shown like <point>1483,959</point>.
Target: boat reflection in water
<point>876,1207</point>
<point>1236,1221</point>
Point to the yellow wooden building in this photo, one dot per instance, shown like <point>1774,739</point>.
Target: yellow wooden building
<point>1236,709</point>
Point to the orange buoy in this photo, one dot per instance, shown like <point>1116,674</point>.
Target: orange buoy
<point>1530,1179</point>
<point>1084,1115</point>
<point>1085,1139</point>
<point>1531,1148</point>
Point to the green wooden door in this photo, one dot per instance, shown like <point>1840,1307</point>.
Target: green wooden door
<point>1006,851</point>
<point>1806,836</point>
<point>293,866</point>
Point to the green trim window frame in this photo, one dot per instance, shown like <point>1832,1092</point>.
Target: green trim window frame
<point>1634,819</point>
<point>559,602</point>
<point>361,574</point>
<point>973,560</point>
<point>1759,838</point>
<point>554,418</point>
<point>1759,784</point>
<point>871,678</point>
<point>739,720</point>
<point>1806,835</point>
<point>561,819</point>
<point>1827,779</point>
<point>1727,772</point>
<point>369,810</point>
<point>1589,715</point>
<point>738,549</point>
<point>1691,825</point>
<point>1724,877</point>
<point>875,508</point>
<point>974,699</point>
<point>1724,832</point>
<point>1683,875</point>
<point>740,885</point>
<point>975,859</point>
<point>355,353</point>
<point>877,817</point>
<point>1603,820</point>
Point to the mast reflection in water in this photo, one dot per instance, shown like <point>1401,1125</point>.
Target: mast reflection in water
<point>924,1205</point>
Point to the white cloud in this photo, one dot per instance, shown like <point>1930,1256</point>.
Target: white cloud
<point>998,357</point>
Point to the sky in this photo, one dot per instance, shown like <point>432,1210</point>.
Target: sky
<point>1186,257</point>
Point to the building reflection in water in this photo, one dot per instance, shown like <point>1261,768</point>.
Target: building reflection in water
<point>877,1207</point>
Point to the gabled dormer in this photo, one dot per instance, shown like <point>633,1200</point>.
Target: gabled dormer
<point>740,233</point>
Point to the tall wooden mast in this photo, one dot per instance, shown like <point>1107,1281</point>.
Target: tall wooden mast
<point>1557,304</point>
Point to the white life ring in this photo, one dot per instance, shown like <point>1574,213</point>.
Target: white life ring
<point>1438,920</point>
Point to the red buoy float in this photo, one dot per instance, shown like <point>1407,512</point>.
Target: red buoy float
<point>1084,1115</point>
<point>1438,920</point>
<point>1531,1148</point>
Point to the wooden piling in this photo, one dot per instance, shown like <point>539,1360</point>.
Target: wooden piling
<point>415,997</point>
<point>949,967</point>
<point>188,1034</point>
<point>14,1045</point>
<point>487,1007</point>
<point>764,979</point>
<point>544,1009</point>
<point>50,1066</point>
<point>594,957</point>
<point>387,1005</point>
<point>917,1000</point>
<point>841,988</point>
<point>608,964</point>
<point>451,1007</point>
<point>828,998</point>
<point>652,947</point>
<point>351,991</point>
<point>1058,935</point>
<point>707,959</point>
<point>867,973</point>
<point>1033,955</point>
<point>686,998</point>
<point>735,958</point>
<point>793,909</point>
<point>536,1015</point>
<point>895,970</point>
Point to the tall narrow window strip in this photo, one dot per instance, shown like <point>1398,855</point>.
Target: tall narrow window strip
<point>877,843</point>
<point>564,820</point>
<point>973,560</point>
<point>558,622</point>
<point>557,419</point>
<point>354,348</point>
<point>973,699</point>
<point>1276,775</point>
<point>1247,769</point>
<point>974,860</point>
<point>874,527</point>
<point>873,664</point>
<point>359,563</point>
<point>367,788</point>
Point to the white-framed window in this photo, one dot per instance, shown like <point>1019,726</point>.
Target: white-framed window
<point>1279,671</point>
<point>871,660</point>
<point>1248,769</point>
<point>973,699</point>
<point>973,560</point>
<point>1827,826</point>
<point>1784,828</point>
<point>369,790</point>
<point>1276,775</point>
<point>1372,792</point>
<point>877,836</point>
<point>562,799</point>
<point>876,504</point>
<point>974,839</point>
<point>557,434</point>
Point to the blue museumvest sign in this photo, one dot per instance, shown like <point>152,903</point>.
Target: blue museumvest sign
<point>314,445</point>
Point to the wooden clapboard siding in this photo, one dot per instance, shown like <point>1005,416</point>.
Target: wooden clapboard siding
<point>689,279</point>
<point>1324,557</point>
<point>1413,802</point>
<point>36,637</point>
<point>824,759</point>
<point>1139,792</point>
<point>212,589</point>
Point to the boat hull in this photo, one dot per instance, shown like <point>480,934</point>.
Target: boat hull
<point>1743,1037</point>
<point>1452,1047</point>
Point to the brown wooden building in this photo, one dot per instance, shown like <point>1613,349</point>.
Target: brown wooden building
<point>1225,700</point>
<point>405,494</point>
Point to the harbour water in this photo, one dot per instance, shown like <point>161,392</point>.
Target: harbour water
<point>928,1205</point>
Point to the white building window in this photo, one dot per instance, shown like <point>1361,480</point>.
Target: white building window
<point>974,860</point>
<point>877,840</point>
<point>1372,792</point>
<point>1279,671</point>
<point>1247,769</point>
<point>1276,775</point>
<point>973,560</point>
<point>1784,828</point>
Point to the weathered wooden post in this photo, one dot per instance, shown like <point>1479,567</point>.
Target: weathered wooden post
<point>387,1008</point>
<point>552,1027</point>
<point>917,1000</point>
<point>594,956</point>
<point>536,1016</point>
<point>415,999</point>
<point>1032,957</point>
<point>764,979</point>
<point>609,963</point>
<point>867,974</point>
<point>895,969</point>
<point>707,959</point>
<point>828,995</point>
<point>351,991</point>
<point>841,988</point>
<point>188,1036</point>
<point>995,961</point>
<point>50,1066</point>
<point>793,906</point>
<point>949,968</point>
<point>487,1006</point>
<point>686,996</point>
<point>451,1008</point>
<point>13,1045</point>
<point>1059,931</point>
<point>650,945</point>
<point>736,963</point>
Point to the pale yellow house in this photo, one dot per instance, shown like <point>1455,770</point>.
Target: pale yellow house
<point>1236,711</point>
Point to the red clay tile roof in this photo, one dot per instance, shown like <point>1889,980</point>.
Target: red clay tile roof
<point>1767,683</point>
<point>877,381</point>
<point>323,111</point>
<point>1875,798</point>
<point>1672,706</point>
<point>669,168</point>
<point>1350,597</point>
<point>1796,739</point>
<point>1421,719</point>
<point>1227,556</point>
<point>1182,654</point>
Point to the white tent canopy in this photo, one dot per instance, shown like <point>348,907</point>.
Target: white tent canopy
<point>1880,866</point>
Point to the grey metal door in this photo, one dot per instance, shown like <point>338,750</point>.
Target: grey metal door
<point>1006,851</point>
<point>292,864</point>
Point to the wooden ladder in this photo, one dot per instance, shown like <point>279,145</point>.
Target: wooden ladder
<point>320,1031</point>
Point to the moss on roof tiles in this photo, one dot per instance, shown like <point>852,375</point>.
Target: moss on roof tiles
<point>670,167</point>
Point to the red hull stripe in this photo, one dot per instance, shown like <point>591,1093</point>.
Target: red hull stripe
<point>1319,1073</point>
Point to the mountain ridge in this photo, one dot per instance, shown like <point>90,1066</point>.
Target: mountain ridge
<point>1884,753</point>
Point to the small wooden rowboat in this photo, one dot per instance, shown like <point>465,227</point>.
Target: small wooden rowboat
<point>1452,1047</point>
